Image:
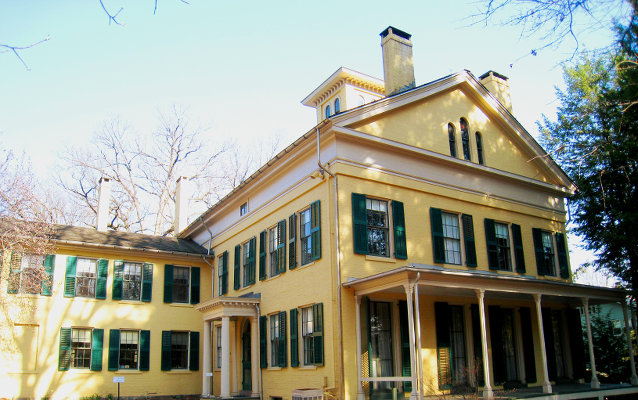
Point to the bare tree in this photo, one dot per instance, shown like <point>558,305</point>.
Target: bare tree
<point>144,172</point>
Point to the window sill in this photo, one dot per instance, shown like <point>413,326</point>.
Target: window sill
<point>179,371</point>
<point>81,371</point>
<point>183,305</point>
<point>306,265</point>
<point>308,367</point>
<point>128,371</point>
<point>132,302</point>
<point>274,368</point>
<point>381,259</point>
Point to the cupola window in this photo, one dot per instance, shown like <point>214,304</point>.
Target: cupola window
<point>452,138</point>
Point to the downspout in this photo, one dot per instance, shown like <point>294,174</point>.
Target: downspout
<point>419,360</point>
<point>261,371</point>
<point>322,169</point>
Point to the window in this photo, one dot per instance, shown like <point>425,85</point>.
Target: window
<point>180,350</point>
<point>310,233</point>
<point>304,236</point>
<point>451,133</point>
<point>446,238</point>
<point>86,277</point>
<point>337,105</point>
<point>451,238</point>
<point>450,341</point>
<point>80,348</point>
<point>277,248</point>
<point>360,101</point>
<point>327,114</point>
<point>181,284</point>
<point>544,248</point>
<point>243,209</point>
<point>306,335</point>
<point>499,246</point>
<point>465,139</point>
<point>502,246</point>
<point>129,349</point>
<point>371,220</point>
<point>479,147</point>
<point>278,339</point>
<point>247,251</point>
<point>30,273</point>
<point>132,281</point>
<point>218,346</point>
<point>222,274</point>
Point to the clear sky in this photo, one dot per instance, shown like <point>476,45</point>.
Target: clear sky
<point>241,68</point>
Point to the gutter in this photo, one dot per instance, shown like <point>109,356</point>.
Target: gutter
<point>323,169</point>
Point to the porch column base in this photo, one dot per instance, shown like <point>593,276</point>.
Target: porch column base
<point>488,393</point>
<point>634,380</point>
<point>414,395</point>
<point>595,384</point>
<point>547,387</point>
<point>361,395</point>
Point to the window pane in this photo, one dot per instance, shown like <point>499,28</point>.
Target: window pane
<point>179,350</point>
<point>451,238</point>
<point>377,221</point>
<point>85,277</point>
<point>307,329</point>
<point>128,349</point>
<point>503,246</point>
<point>181,284</point>
<point>131,281</point>
<point>81,348</point>
<point>305,238</point>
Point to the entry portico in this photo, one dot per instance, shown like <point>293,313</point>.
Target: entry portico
<point>506,295</point>
<point>239,318</point>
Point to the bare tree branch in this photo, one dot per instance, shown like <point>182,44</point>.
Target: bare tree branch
<point>16,50</point>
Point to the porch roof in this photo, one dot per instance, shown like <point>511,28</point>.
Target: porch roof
<point>225,306</point>
<point>437,280</point>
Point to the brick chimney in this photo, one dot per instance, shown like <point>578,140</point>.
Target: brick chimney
<point>103,203</point>
<point>398,67</point>
<point>499,86</point>
<point>182,196</point>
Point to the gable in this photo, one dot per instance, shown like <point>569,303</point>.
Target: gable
<point>421,120</point>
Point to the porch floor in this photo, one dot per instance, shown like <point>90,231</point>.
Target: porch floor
<point>568,391</point>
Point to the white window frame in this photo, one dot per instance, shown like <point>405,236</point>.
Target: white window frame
<point>188,284</point>
<point>80,263</point>
<point>137,350</point>
<point>449,241</point>
<point>370,201</point>
<point>140,267</point>
<point>72,363</point>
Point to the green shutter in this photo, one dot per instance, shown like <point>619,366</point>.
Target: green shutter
<point>263,342</point>
<point>281,246</point>
<point>147,282</point>
<point>47,282</point>
<point>193,361</point>
<point>292,243</point>
<point>145,350</point>
<point>96,349</point>
<point>398,223</point>
<point>118,279</point>
<point>315,230</point>
<point>15,267</point>
<point>443,344</point>
<point>168,283</point>
<point>252,244</point>
<point>195,284</point>
<point>102,275</point>
<point>69,277</point>
<point>317,333</point>
<point>490,240</point>
<point>438,244</point>
<point>294,338</point>
<point>282,340</point>
<point>64,360</point>
<point>496,334</point>
<point>528,345</point>
<point>359,223</point>
<point>406,366</point>
<point>224,276</point>
<point>468,239</point>
<point>262,255</point>
<point>561,249</point>
<point>540,252</point>
<point>237,270</point>
<point>114,349</point>
<point>166,351</point>
<point>519,255</point>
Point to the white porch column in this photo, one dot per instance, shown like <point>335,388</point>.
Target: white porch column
<point>469,345</point>
<point>419,359</point>
<point>634,377</point>
<point>357,309</point>
<point>207,355</point>
<point>409,291</point>
<point>547,387</point>
<point>254,352</point>
<point>225,373</point>
<point>235,352</point>
<point>487,389</point>
<point>595,384</point>
<point>519,344</point>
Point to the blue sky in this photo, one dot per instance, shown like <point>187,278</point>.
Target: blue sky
<point>241,68</point>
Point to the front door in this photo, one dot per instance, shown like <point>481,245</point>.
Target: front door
<point>380,348</point>
<point>245,362</point>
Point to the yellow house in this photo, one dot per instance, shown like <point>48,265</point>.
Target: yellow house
<point>118,306</point>
<point>411,244</point>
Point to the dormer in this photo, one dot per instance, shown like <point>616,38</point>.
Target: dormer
<point>344,90</point>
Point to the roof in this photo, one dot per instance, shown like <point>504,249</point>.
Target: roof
<point>80,236</point>
<point>334,82</point>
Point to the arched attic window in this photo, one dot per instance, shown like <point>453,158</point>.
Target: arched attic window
<point>451,133</point>
<point>479,147</point>
<point>465,139</point>
<point>327,115</point>
<point>337,106</point>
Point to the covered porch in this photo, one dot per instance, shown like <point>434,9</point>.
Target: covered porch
<point>231,326</point>
<point>473,330</point>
